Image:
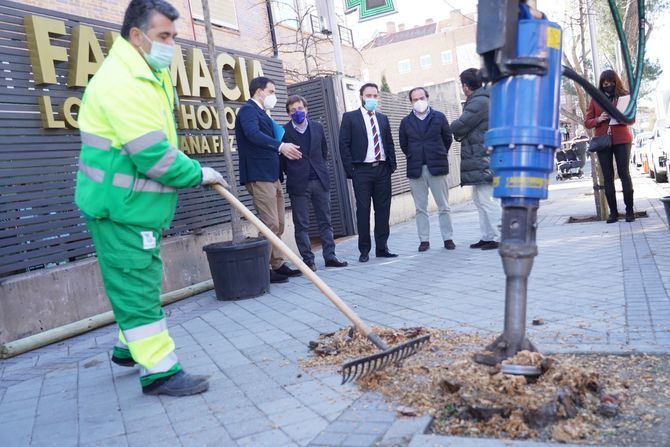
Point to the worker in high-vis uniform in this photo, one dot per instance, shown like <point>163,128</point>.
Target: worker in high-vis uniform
<point>129,170</point>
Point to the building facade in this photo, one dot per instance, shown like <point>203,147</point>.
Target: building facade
<point>430,54</point>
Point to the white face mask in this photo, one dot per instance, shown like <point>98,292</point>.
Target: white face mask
<point>160,55</point>
<point>420,106</point>
<point>270,101</point>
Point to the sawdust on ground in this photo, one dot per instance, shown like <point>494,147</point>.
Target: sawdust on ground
<point>589,399</point>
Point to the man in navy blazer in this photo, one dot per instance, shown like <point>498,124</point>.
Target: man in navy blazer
<point>307,180</point>
<point>368,155</point>
<point>260,172</point>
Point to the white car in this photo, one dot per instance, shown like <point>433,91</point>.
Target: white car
<point>656,155</point>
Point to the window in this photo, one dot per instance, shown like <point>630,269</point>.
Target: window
<point>447,58</point>
<point>425,61</point>
<point>285,12</point>
<point>223,12</point>
<point>404,66</point>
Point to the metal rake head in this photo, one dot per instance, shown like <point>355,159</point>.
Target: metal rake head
<point>363,366</point>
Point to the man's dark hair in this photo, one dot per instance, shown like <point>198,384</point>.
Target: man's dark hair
<point>139,13</point>
<point>425,92</point>
<point>259,83</point>
<point>293,99</point>
<point>472,78</point>
<point>366,85</point>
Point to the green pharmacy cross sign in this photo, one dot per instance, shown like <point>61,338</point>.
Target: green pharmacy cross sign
<point>369,9</point>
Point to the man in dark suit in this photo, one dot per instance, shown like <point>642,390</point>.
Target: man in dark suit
<point>259,150</point>
<point>368,156</point>
<point>307,180</point>
<point>425,139</point>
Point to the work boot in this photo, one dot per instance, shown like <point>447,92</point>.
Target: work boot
<point>423,246</point>
<point>180,384</point>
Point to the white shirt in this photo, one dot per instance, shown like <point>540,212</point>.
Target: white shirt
<point>258,103</point>
<point>424,116</point>
<point>262,107</point>
<point>370,155</point>
<point>302,128</point>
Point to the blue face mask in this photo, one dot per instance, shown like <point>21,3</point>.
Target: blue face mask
<point>370,104</point>
<point>298,116</point>
<point>160,55</point>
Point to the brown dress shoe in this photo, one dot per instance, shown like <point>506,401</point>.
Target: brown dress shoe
<point>423,246</point>
<point>449,244</point>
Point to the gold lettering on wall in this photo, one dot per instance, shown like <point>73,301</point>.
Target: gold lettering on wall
<point>86,56</point>
<point>44,55</point>
<point>110,37</point>
<point>224,60</point>
<point>202,84</point>
<point>49,120</point>
<point>178,72</point>
<point>67,111</point>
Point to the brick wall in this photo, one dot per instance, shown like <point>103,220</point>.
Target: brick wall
<point>251,15</point>
<point>384,59</point>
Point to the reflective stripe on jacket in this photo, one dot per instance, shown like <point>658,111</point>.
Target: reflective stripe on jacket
<point>130,164</point>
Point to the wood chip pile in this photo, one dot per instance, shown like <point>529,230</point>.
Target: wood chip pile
<point>599,399</point>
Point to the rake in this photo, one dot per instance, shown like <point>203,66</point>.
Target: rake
<point>357,368</point>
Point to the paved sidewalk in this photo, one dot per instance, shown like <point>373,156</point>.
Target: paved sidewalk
<point>598,287</point>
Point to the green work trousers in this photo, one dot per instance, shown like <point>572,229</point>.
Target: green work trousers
<point>131,267</point>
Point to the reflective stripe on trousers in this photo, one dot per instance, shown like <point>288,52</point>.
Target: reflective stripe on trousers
<point>151,347</point>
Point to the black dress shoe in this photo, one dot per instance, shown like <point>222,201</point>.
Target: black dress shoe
<point>478,244</point>
<point>449,244</point>
<point>614,217</point>
<point>385,254</point>
<point>287,271</point>
<point>336,263</point>
<point>311,265</point>
<point>423,246</point>
<point>276,278</point>
<point>363,257</point>
<point>490,245</point>
<point>630,216</point>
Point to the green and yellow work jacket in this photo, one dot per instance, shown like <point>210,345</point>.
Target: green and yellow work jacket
<point>129,165</point>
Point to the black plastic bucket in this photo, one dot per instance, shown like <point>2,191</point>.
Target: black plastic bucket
<point>241,270</point>
<point>666,204</point>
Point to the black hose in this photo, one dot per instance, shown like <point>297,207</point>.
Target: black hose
<point>597,96</point>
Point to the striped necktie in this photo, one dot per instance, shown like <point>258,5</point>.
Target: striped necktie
<point>375,137</point>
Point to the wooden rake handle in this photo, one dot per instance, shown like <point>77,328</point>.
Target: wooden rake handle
<point>286,251</point>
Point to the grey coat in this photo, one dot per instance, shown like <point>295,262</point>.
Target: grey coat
<point>469,129</point>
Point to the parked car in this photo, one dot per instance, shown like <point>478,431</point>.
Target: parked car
<point>656,152</point>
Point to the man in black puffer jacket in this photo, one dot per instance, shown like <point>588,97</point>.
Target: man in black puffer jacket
<point>469,129</point>
<point>425,139</point>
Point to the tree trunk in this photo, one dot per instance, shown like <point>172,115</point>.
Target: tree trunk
<point>235,221</point>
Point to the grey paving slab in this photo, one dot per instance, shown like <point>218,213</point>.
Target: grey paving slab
<point>404,429</point>
<point>259,393</point>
